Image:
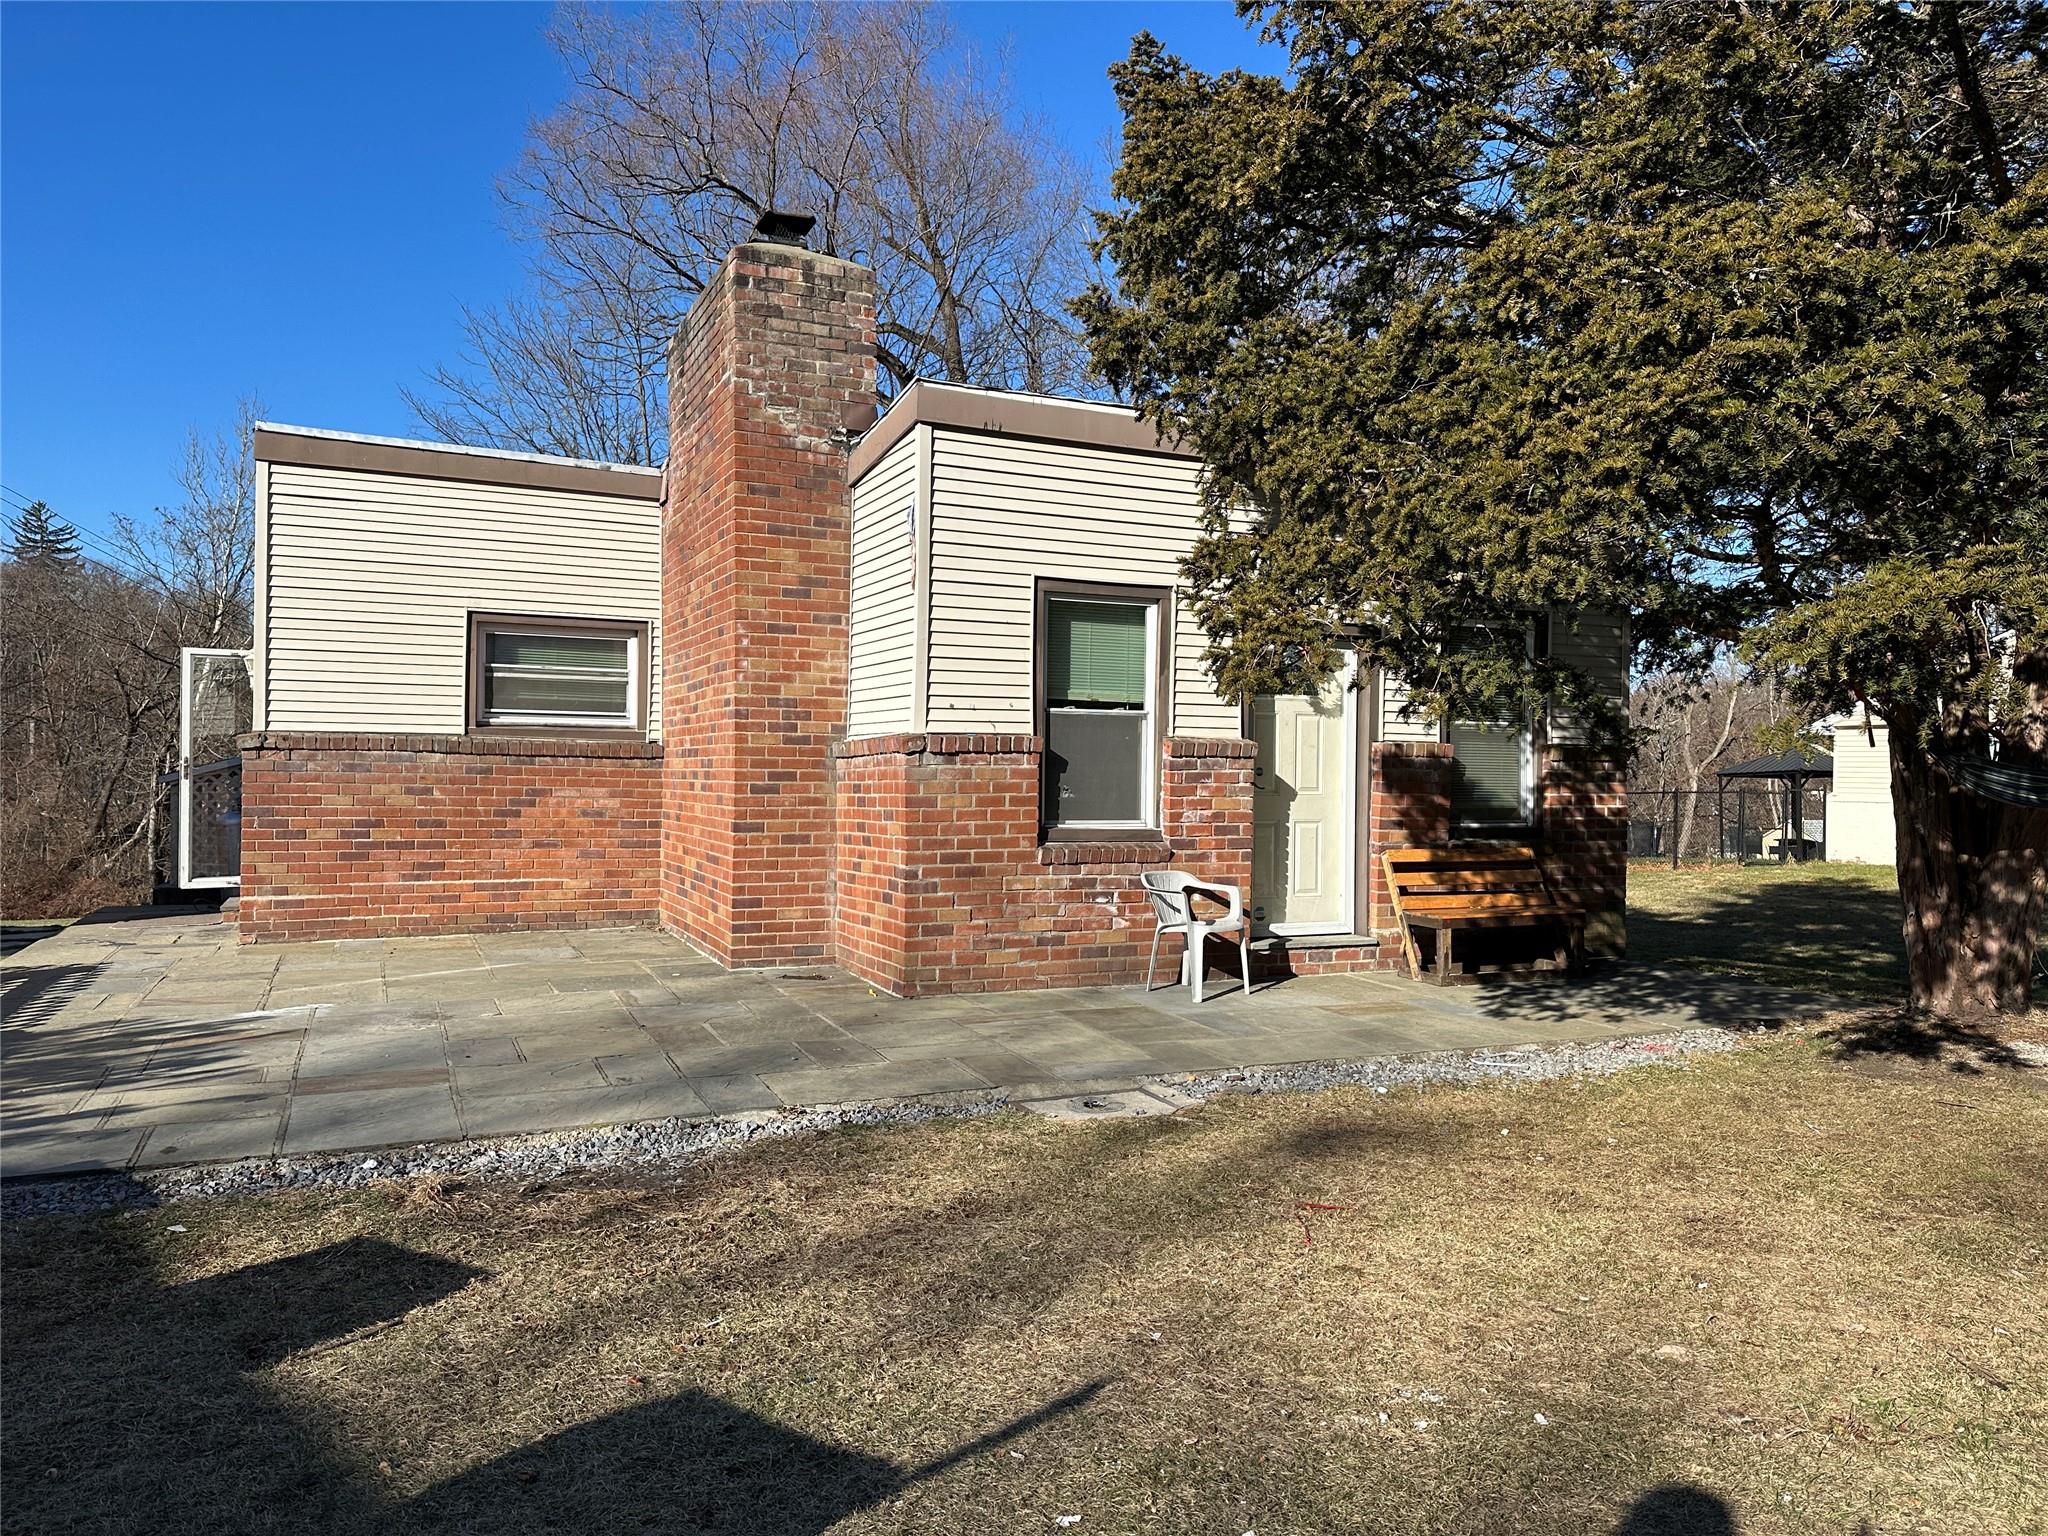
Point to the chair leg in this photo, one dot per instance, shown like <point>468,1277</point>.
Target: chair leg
<point>1197,956</point>
<point>1152,960</point>
<point>1244,961</point>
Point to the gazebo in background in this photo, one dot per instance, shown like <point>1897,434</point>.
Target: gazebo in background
<point>1784,776</point>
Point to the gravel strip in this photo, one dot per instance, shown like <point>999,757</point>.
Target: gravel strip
<point>1529,1063</point>
<point>680,1143</point>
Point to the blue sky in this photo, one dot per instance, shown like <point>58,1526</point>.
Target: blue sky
<point>202,202</point>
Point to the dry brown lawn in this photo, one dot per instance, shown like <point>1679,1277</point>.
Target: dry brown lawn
<point>1777,1291</point>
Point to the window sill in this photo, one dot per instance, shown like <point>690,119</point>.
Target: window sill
<point>1106,846</point>
<point>1100,835</point>
<point>557,733</point>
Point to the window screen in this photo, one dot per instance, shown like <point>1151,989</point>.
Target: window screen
<point>576,677</point>
<point>1098,728</point>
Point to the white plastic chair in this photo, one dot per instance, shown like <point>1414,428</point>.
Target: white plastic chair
<point>1172,894</point>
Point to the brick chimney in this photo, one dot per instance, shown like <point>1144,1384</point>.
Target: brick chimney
<point>772,366</point>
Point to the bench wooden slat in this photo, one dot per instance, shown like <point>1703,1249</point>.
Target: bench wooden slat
<point>1518,902</point>
<point>1440,920</point>
<point>1503,880</point>
<point>1450,858</point>
<point>1453,889</point>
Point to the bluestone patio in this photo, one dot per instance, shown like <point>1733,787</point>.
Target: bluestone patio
<point>154,1040</point>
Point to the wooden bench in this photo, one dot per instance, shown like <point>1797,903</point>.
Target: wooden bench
<point>1478,885</point>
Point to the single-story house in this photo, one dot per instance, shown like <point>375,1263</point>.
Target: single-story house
<point>920,695</point>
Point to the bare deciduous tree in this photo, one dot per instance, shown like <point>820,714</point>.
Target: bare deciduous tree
<point>683,125</point>
<point>89,679</point>
<point>1686,728</point>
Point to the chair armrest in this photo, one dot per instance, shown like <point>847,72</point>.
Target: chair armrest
<point>1229,893</point>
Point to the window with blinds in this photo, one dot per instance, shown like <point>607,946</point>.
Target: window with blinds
<point>1489,773</point>
<point>587,676</point>
<point>1100,662</point>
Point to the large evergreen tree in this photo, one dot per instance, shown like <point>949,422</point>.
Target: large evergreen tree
<point>43,538</point>
<point>1729,315</point>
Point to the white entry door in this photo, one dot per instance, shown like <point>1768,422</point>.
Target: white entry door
<point>1301,812</point>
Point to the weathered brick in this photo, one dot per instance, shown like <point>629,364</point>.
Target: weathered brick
<point>383,836</point>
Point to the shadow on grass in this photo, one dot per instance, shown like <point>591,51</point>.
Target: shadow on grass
<point>1901,1035</point>
<point>136,1407</point>
<point>1678,1509</point>
<point>1800,927</point>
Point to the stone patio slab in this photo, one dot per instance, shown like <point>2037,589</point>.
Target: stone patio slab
<point>539,1043</point>
<point>337,1050</point>
<point>843,1051</point>
<point>890,1080</point>
<point>84,1151</point>
<point>212,1141</point>
<point>343,1122</point>
<point>362,1044</point>
<point>733,1060</point>
<point>637,1069</point>
<point>487,1051</point>
<point>528,1077</point>
<point>734,1095</point>
<point>517,1114</point>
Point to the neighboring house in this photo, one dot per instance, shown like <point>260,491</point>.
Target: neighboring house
<point>1860,827</point>
<point>920,696</point>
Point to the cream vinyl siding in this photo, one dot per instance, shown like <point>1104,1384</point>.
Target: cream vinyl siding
<point>1597,644</point>
<point>1860,825</point>
<point>369,580</point>
<point>1394,726</point>
<point>1007,511</point>
<point>881,630</point>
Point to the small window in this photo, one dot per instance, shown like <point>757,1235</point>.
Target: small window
<point>1490,779</point>
<point>1100,687</point>
<point>558,674</point>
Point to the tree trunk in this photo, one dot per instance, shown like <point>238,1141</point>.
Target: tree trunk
<point>1973,879</point>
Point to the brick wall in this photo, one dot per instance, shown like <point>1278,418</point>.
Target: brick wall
<point>358,836</point>
<point>942,884</point>
<point>773,365</point>
<point>1585,840</point>
<point>1410,807</point>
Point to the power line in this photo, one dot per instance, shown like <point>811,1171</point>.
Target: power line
<point>96,550</point>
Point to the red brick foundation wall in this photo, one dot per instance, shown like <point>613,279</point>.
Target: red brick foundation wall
<point>353,836</point>
<point>774,363</point>
<point>942,884</point>
<point>1410,807</point>
<point>1585,840</point>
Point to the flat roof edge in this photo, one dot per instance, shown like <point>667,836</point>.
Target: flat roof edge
<point>1005,413</point>
<point>323,448</point>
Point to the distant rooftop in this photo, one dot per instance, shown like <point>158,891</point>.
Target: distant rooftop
<point>1783,765</point>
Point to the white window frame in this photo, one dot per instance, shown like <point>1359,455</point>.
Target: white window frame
<point>188,661</point>
<point>1526,819</point>
<point>636,635</point>
<point>1148,789</point>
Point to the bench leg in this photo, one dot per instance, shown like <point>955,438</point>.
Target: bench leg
<point>1414,954</point>
<point>1443,956</point>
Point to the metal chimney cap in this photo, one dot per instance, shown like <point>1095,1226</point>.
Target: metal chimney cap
<point>778,228</point>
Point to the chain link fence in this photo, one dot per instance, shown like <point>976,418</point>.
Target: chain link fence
<point>1754,821</point>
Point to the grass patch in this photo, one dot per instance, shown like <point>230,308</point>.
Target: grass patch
<point>1834,927</point>
<point>1779,1290</point>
